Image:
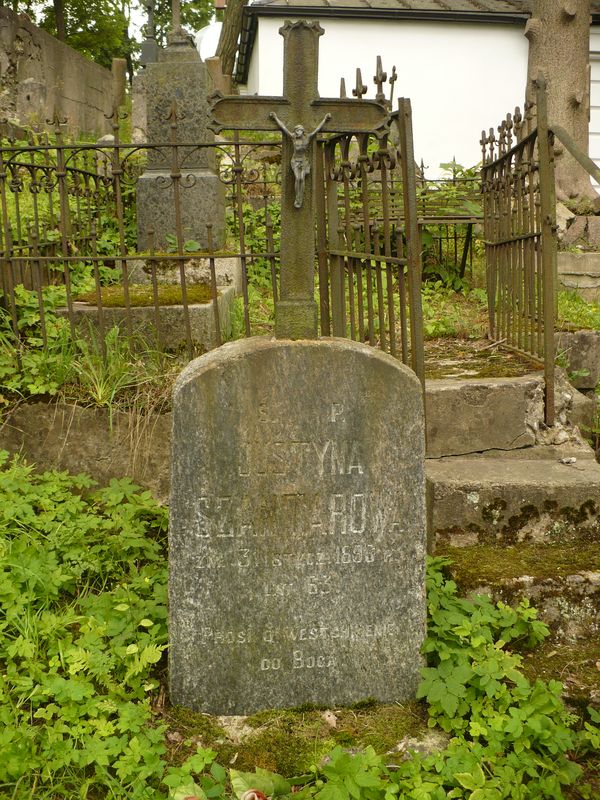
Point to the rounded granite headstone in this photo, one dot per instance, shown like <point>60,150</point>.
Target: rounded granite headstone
<point>297,535</point>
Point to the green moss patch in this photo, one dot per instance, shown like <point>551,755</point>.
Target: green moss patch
<point>143,296</point>
<point>491,565</point>
<point>288,741</point>
<point>574,665</point>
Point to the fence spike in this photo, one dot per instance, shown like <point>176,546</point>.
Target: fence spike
<point>483,142</point>
<point>517,122</point>
<point>360,88</point>
<point>392,81</point>
<point>509,130</point>
<point>379,79</point>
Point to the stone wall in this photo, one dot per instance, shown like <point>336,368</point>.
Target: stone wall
<point>39,74</point>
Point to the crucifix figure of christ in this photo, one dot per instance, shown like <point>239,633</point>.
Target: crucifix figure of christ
<point>299,110</point>
<point>300,162</point>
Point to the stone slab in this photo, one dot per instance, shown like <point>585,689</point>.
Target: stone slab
<point>584,413</point>
<point>581,351</point>
<point>593,231</point>
<point>185,81</point>
<point>478,414</point>
<point>172,332</point>
<point>102,444</point>
<point>580,272</point>
<point>576,231</point>
<point>297,535</point>
<point>528,497</point>
<point>564,216</point>
<point>562,583</point>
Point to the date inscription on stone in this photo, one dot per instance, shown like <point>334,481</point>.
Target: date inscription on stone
<point>297,537</point>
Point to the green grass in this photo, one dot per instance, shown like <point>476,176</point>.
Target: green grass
<point>575,313</point>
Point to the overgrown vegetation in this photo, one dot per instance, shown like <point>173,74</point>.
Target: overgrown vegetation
<point>83,633</point>
<point>114,371</point>
<point>575,313</point>
<point>449,248</point>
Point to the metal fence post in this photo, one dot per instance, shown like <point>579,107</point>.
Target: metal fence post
<point>549,243</point>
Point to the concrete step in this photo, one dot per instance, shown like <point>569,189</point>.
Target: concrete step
<point>580,272</point>
<point>562,581</point>
<point>479,414</point>
<point>469,416</point>
<point>537,494</point>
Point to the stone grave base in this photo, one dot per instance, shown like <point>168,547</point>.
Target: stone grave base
<point>228,272</point>
<point>171,334</point>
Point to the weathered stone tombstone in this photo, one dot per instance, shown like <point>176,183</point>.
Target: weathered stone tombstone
<point>179,74</point>
<point>297,535</point>
<point>297,527</point>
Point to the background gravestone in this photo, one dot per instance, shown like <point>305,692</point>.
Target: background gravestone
<point>297,535</point>
<point>181,76</point>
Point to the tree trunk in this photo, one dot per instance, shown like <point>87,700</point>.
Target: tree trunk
<point>59,19</point>
<point>559,41</point>
<point>230,32</point>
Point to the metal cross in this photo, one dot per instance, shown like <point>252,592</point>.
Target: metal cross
<point>300,114</point>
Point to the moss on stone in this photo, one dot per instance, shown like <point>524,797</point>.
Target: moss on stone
<point>493,565</point>
<point>143,295</point>
<point>574,665</point>
<point>288,741</point>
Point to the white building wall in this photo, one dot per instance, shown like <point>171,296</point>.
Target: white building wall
<point>595,95</point>
<point>460,77</point>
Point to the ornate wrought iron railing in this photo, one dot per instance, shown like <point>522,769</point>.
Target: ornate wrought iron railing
<point>68,228</point>
<point>368,241</point>
<point>517,179</point>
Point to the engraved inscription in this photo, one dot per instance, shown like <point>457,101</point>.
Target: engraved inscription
<point>337,514</point>
<point>317,631</point>
<point>290,458</point>
<point>303,661</point>
<point>296,527</point>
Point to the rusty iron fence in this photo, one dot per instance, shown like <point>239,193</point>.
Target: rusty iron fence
<point>517,180</point>
<point>69,236</point>
<point>368,240</point>
<point>448,208</point>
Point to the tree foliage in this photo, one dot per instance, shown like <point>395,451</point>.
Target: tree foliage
<point>102,30</point>
<point>99,30</point>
